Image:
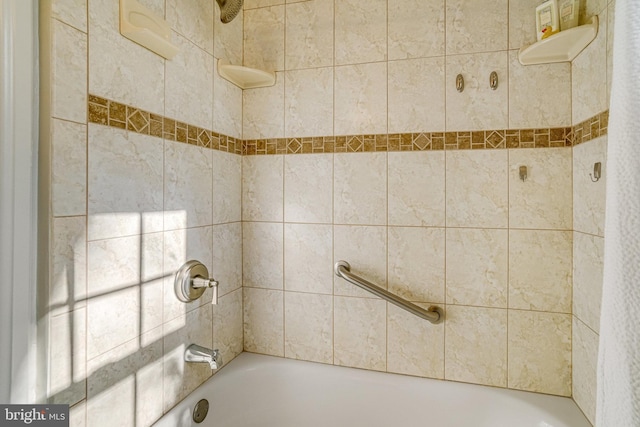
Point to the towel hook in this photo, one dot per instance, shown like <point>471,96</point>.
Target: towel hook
<point>597,172</point>
<point>459,83</point>
<point>493,80</point>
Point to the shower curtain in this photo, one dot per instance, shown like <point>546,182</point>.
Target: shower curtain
<point>618,402</point>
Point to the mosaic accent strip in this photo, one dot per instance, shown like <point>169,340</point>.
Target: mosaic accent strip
<point>114,114</point>
<point>592,128</point>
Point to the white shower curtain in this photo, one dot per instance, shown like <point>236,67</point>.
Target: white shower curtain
<point>618,403</point>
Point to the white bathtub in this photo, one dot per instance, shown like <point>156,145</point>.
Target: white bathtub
<point>263,391</point>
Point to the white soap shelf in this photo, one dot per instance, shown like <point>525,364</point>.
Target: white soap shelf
<point>561,47</point>
<point>245,77</point>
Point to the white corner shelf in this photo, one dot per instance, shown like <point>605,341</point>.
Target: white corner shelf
<point>561,47</point>
<point>245,77</point>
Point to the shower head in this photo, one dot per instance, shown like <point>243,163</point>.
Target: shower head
<point>229,9</point>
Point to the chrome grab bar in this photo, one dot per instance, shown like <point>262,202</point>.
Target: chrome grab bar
<point>433,314</point>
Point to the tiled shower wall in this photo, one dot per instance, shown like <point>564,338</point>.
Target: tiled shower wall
<point>127,208</point>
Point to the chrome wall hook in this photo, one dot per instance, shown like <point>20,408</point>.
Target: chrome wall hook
<point>597,172</point>
<point>459,83</point>
<point>493,80</point>
<point>523,173</point>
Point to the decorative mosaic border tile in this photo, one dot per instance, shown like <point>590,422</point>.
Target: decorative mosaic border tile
<point>111,113</point>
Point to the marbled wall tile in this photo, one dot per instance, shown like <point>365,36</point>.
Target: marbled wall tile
<point>522,23</point>
<point>476,269</point>
<point>365,248</point>
<point>585,364</point>
<point>544,199</point>
<point>194,20</point>
<point>309,34</point>
<point>589,76</point>
<point>476,188</point>
<point>360,99</point>
<point>589,8</point>
<point>360,31</point>
<point>254,4</point>
<point>227,187</point>
<point>68,265</point>
<point>360,188</point>
<point>416,188</point>
<point>308,103</point>
<point>181,246</point>
<point>308,258</point>
<point>78,415</point>
<point>264,321</point>
<point>68,73</point>
<point>416,95</point>
<point>119,68</point>
<point>539,95</point>
<point>414,345</point>
<point>68,168</point>
<point>189,83</point>
<point>360,333</point>
<point>540,270</point>
<point>308,327</point>
<point>263,249</point>
<point>71,12</point>
<point>227,325</point>
<point>588,196</point>
<point>416,29</point>
<point>308,188</point>
<point>128,381</point>
<point>478,106</point>
<point>264,38</point>
<point>476,345</point>
<point>228,38</point>
<point>227,257</point>
<point>67,357</point>
<point>188,183</point>
<point>588,262</point>
<point>540,352</point>
<point>610,24</point>
<point>263,111</point>
<point>262,188</point>
<point>116,159</point>
<point>182,378</point>
<point>416,263</point>
<point>477,26</point>
<point>227,106</point>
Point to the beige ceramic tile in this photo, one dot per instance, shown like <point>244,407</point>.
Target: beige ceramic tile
<point>522,23</point>
<point>227,325</point>
<point>264,38</point>
<point>539,95</point>
<point>68,282</point>
<point>262,188</point>
<point>67,358</point>
<point>253,4</point>
<point>78,414</point>
<point>116,159</point>
<point>227,257</point>
<point>610,25</point>
<point>263,111</point>
<point>360,188</point>
<point>588,260</point>
<point>309,34</point>
<point>308,326</point>
<point>228,38</point>
<point>588,8</point>
<point>478,107</point>
<point>361,31</point>
<point>476,345</point>
<point>189,84</point>
<point>543,200</point>
<point>416,263</point>
<point>188,182</point>
<point>540,352</point>
<point>414,346</point>
<point>477,267</point>
<point>227,187</point>
<point>263,248</point>
<point>308,188</point>
<point>68,73</point>
<point>71,12</point>
<point>309,102</point>
<point>540,270</point>
<point>68,168</point>
<point>308,258</point>
<point>227,106</point>
<point>585,363</point>
<point>476,184</point>
<point>360,333</point>
<point>264,321</point>
<point>416,95</point>
<point>588,196</point>
<point>193,20</point>
<point>361,99</point>
<point>365,248</point>
<point>477,26</point>
<point>416,188</point>
<point>416,28</point>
